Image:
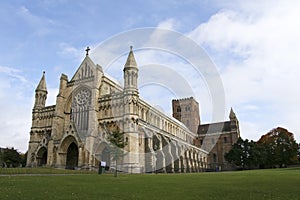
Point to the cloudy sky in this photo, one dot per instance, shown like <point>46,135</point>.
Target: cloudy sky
<point>254,46</point>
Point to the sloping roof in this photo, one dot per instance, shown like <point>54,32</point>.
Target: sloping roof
<point>214,128</point>
<point>130,62</point>
<point>42,84</point>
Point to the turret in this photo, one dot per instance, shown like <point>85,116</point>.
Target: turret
<point>234,122</point>
<point>130,117</point>
<point>41,93</point>
<point>232,115</point>
<point>130,74</point>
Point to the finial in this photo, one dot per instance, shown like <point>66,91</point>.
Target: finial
<point>87,50</point>
<point>131,48</point>
<point>44,72</point>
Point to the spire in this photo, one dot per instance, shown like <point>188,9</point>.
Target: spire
<point>131,74</point>
<point>130,59</point>
<point>42,84</point>
<point>232,114</point>
<point>41,93</point>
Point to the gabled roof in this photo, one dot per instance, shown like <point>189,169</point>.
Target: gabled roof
<point>214,128</point>
<point>87,66</point>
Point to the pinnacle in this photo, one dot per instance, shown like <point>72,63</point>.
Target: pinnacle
<point>130,59</point>
<point>42,84</point>
<point>232,114</point>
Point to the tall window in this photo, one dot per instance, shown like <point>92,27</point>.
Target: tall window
<point>80,108</point>
<point>214,158</point>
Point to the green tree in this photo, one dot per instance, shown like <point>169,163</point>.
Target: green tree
<point>244,154</point>
<point>11,157</point>
<point>241,154</point>
<point>23,158</point>
<point>279,148</point>
<point>299,152</point>
<point>117,144</point>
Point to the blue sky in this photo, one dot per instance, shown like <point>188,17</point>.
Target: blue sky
<point>254,45</point>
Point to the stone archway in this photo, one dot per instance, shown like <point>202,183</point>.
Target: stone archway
<point>42,156</point>
<point>159,154</point>
<point>72,156</point>
<point>166,148</point>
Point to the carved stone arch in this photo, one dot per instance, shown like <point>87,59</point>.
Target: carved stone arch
<point>81,105</point>
<point>42,155</point>
<point>69,151</point>
<point>148,148</point>
<point>175,155</point>
<point>68,104</point>
<point>66,141</point>
<point>159,154</point>
<point>166,148</point>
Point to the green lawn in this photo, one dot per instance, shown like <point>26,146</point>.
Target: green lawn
<point>255,184</point>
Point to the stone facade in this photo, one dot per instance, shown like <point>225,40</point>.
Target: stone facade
<point>73,133</point>
<point>217,139</point>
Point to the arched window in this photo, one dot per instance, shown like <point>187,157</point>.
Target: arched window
<point>80,108</point>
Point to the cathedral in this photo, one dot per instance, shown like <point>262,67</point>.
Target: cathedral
<point>73,133</point>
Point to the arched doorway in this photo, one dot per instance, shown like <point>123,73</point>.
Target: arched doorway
<point>72,156</point>
<point>42,156</point>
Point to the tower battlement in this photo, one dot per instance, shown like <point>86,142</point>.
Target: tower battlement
<point>186,110</point>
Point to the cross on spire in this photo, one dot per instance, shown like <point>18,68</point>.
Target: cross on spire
<point>87,51</point>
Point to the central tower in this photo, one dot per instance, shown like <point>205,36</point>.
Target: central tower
<point>187,111</point>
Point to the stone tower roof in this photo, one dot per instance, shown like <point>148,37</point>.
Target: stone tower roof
<point>232,114</point>
<point>130,59</point>
<point>42,84</point>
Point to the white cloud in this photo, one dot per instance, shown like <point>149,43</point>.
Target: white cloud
<point>15,107</point>
<point>70,51</point>
<point>257,53</point>
<point>170,24</point>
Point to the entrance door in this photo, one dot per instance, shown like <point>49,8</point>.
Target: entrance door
<point>72,156</point>
<point>42,157</point>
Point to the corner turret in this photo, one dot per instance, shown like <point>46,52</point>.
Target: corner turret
<point>41,93</point>
<point>130,74</point>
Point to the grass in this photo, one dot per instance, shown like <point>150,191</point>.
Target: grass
<point>256,184</point>
<point>41,170</point>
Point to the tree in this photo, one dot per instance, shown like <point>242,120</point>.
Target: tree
<point>299,152</point>
<point>279,148</point>
<point>23,158</point>
<point>10,157</point>
<point>242,154</point>
<point>117,144</point>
